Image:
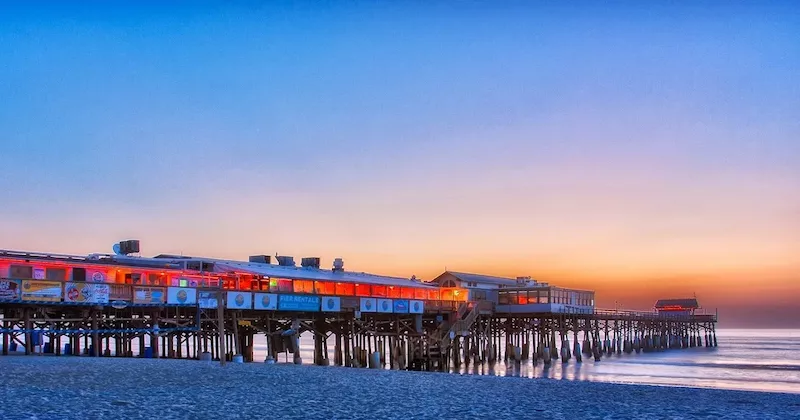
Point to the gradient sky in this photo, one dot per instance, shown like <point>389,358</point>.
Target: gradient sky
<point>642,152</point>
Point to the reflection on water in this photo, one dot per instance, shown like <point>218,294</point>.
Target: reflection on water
<point>762,360</point>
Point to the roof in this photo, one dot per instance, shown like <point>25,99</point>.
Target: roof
<point>682,303</point>
<point>310,273</point>
<point>222,266</point>
<point>480,278</point>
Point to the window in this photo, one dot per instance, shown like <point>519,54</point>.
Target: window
<point>20,272</point>
<point>433,294</point>
<point>78,274</point>
<point>378,291</point>
<point>394,292</point>
<point>447,294</point>
<point>345,289</point>
<point>522,298</point>
<point>502,298</point>
<point>362,290</point>
<point>325,287</point>
<point>284,286</point>
<point>303,286</point>
<point>407,293</point>
<point>420,293</point>
<point>59,274</point>
<point>478,295</point>
<point>544,296</point>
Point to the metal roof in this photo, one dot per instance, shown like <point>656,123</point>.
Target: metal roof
<point>310,273</point>
<point>480,278</point>
<point>223,266</point>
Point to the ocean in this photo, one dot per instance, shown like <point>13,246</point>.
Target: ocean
<point>753,360</point>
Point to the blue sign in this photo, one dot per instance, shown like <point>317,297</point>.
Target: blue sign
<point>298,303</point>
<point>401,306</point>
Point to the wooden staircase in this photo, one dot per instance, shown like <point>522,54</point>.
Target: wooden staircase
<point>440,342</point>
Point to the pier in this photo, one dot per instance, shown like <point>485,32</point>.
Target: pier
<point>119,305</point>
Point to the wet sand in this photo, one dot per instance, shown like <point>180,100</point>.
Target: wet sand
<point>90,388</point>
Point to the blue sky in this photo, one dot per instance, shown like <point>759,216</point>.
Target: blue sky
<point>388,131</point>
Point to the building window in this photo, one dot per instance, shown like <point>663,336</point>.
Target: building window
<point>362,290</point>
<point>345,289</point>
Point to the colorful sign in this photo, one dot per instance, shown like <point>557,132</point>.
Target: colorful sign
<point>41,290</point>
<point>207,299</point>
<point>9,290</point>
<point>331,304</point>
<point>181,296</point>
<point>265,301</point>
<point>96,276</point>
<point>298,303</point>
<point>239,300</point>
<point>369,305</point>
<point>385,306</point>
<point>149,295</point>
<point>400,306</point>
<point>416,307</point>
<point>86,292</point>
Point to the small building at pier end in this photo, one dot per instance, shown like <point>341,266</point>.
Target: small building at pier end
<point>686,306</point>
<point>519,295</point>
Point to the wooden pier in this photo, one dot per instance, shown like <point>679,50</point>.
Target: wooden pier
<point>202,312</point>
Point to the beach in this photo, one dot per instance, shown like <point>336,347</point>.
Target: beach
<point>88,388</point>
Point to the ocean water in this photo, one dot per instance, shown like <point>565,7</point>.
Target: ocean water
<point>755,360</point>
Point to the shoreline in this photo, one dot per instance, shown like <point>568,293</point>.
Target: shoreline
<point>84,387</point>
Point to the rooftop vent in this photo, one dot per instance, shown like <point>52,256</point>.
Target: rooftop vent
<point>285,260</point>
<point>338,264</point>
<point>312,262</point>
<point>127,247</point>
<point>261,259</point>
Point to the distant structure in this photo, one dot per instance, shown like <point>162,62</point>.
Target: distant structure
<point>685,306</point>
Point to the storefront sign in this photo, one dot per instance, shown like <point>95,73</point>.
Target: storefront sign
<point>331,304</point>
<point>86,292</point>
<point>298,303</point>
<point>265,301</point>
<point>369,305</point>
<point>149,295</point>
<point>239,300</point>
<point>9,290</point>
<point>416,307</point>
<point>41,290</point>
<point>385,306</point>
<point>400,306</point>
<point>181,296</point>
<point>207,299</point>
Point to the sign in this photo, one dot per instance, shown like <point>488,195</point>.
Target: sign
<point>400,306</point>
<point>298,303</point>
<point>207,299</point>
<point>369,305</point>
<point>239,300</point>
<point>9,290</point>
<point>385,306</point>
<point>331,304</point>
<point>86,292</point>
<point>416,307</point>
<point>41,290</point>
<point>38,273</point>
<point>265,301</point>
<point>96,276</point>
<point>149,295</point>
<point>181,296</point>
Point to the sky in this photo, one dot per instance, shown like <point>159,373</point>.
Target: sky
<point>640,151</point>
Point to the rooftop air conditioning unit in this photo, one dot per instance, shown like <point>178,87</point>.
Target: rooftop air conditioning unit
<point>285,260</point>
<point>338,264</point>
<point>310,262</point>
<point>261,259</point>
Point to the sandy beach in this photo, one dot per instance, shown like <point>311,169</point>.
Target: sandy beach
<point>87,388</point>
